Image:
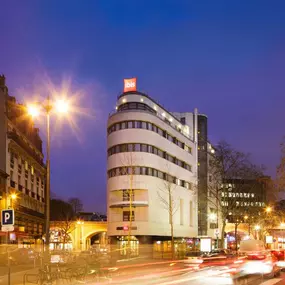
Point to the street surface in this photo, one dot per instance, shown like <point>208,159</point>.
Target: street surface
<point>149,273</point>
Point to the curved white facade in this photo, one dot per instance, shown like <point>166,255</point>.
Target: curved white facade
<point>150,152</point>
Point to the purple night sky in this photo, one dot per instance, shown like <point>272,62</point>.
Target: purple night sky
<point>227,58</point>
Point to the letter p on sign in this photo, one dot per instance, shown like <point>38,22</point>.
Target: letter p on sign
<point>7,217</point>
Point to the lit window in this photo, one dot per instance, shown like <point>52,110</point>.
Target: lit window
<point>223,194</point>
<point>237,203</point>
<point>32,170</point>
<point>252,195</point>
<point>26,165</point>
<point>178,182</point>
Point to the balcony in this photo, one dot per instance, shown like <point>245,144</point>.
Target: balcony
<point>16,138</point>
<point>121,204</point>
<point>20,187</point>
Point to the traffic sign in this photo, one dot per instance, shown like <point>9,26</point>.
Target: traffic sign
<point>7,217</point>
<point>7,228</point>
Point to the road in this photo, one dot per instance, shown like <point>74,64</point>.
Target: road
<point>154,273</point>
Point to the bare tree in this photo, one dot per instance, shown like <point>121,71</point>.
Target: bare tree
<point>65,228</point>
<point>63,219</point>
<point>167,199</point>
<point>229,165</point>
<point>128,170</point>
<point>76,204</point>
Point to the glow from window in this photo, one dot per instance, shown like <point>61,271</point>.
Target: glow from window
<point>124,100</point>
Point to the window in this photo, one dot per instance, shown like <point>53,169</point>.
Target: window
<point>137,147</point>
<point>154,128</point>
<point>183,120</point>
<point>160,153</point>
<point>130,124</point>
<point>144,147</point>
<point>124,125</point>
<point>26,165</point>
<point>143,171</point>
<point>126,195</point>
<point>144,126</point>
<point>127,215</point>
<point>131,147</point>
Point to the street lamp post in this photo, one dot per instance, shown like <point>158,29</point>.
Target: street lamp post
<point>34,110</point>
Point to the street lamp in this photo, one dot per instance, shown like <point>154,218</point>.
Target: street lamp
<point>268,209</point>
<point>13,197</point>
<point>61,106</point>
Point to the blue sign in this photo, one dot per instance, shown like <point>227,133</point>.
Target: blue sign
<point>7,217</point>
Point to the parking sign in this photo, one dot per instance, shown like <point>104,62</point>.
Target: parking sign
<point>7,217</point>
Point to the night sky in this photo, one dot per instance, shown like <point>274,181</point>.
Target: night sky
<point>227,58</point>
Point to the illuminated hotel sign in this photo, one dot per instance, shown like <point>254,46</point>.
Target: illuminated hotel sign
<point>130,84</point>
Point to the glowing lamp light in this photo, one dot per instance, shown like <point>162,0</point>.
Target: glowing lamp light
<point>33,110</point>
<point>61,106</point>
<point>213,216</point>
<point>125,228</point>
<point>268,209</point>
<point>13,196</point>
<point>257,227</point>
<point>282,224</point>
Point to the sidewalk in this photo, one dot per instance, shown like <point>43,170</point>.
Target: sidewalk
<point>17,277</point>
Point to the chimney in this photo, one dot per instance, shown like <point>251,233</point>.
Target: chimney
<point>2,80</point>
<point>3,86</point>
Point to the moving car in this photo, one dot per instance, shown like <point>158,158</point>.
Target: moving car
<point>280,255</point>
<point>255,259</point>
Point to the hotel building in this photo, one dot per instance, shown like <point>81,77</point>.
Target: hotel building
<point>152,167</point>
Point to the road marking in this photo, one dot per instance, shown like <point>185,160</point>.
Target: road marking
<point>271,281</point>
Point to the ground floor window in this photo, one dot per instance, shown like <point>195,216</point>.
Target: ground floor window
<point>128,247</point>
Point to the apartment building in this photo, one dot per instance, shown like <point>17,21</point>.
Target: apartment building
<point>23,170</point>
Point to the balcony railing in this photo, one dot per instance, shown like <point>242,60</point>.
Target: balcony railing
<point>12,135</point>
